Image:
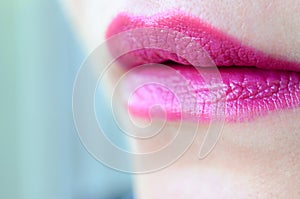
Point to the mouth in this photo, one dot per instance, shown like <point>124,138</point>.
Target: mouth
<point>254,83</point>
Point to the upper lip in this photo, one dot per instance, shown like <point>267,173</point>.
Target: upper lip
<point>222,49</point>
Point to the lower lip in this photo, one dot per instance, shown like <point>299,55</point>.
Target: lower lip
<point>250,93</point>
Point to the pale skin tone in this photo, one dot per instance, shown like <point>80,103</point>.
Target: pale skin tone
<point>258,159</point>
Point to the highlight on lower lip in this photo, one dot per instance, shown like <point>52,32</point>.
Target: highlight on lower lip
<point>249,93</point>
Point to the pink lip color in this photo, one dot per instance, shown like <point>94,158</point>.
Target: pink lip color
<point>250,92</point>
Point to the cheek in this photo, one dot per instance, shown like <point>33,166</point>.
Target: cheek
<point>91,18</point>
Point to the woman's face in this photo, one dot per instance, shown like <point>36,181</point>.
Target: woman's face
<point>258,153</point>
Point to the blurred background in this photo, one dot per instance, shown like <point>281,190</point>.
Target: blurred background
<point>41,154</point>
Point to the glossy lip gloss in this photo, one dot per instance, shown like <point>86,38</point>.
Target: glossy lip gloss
<point>255,83</point>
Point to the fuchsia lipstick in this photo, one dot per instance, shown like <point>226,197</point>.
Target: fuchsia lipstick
<point>255,83</point>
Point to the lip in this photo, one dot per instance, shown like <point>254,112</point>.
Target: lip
<point>254,82</point>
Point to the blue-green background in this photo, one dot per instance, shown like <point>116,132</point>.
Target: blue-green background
<point>41,155</point>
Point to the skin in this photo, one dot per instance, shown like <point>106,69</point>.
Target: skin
<point>257,159</point>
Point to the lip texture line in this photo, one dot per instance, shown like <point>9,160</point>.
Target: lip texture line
<point>255,83</point>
